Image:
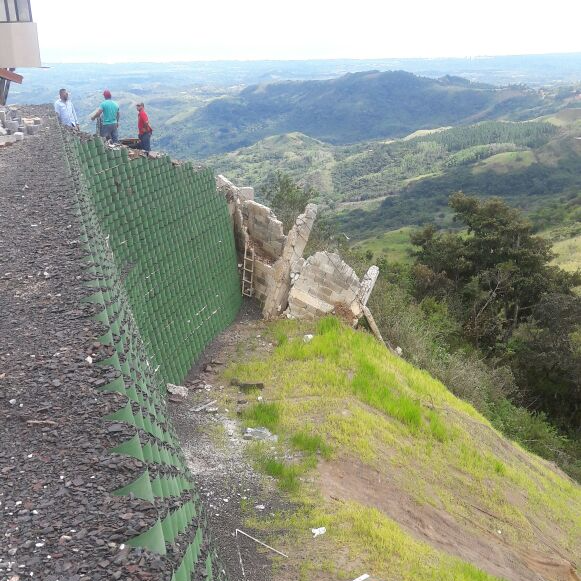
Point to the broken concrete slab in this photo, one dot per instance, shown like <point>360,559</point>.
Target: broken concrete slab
<point>277,299</point>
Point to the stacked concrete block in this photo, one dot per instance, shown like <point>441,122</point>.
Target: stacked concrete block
<point>14,129</point>
<point>11,126</point>
<point>264,228</point>
<point>262,279</point>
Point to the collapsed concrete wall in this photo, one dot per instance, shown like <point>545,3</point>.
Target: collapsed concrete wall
<point>283,281</point>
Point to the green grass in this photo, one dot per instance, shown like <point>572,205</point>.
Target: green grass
<point>393,245</point>
<point>264,415</point>
<point>313,444</point>
<point>287,475</point>
<point>507,162</point>
<point>343,395</point>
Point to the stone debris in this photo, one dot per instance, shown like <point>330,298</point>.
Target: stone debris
<point>259,434</point>
<point>178,390</point>
<point>205,406</point>
<point>246,386</point>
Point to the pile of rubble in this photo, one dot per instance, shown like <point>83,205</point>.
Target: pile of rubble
<point>13,128</point>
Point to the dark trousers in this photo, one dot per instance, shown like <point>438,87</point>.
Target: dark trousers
<point>110,132</point>
<point>145,141</point>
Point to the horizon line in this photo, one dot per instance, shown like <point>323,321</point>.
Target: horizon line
<point>304,60</point>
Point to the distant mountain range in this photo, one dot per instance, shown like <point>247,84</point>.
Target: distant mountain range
<point>349,109</point>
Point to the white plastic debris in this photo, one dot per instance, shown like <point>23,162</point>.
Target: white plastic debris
<point>308,338</point>
<point>12,402</point>
<point>259,507</point>
<point>399,351</point>
<point>89,359</point>
<point>362,578</point>
<point>319,531</point>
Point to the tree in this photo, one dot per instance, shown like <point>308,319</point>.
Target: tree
<point>510,301</point>
<point>546,356</point>
<point>286,198</point>
<point>499,269</point>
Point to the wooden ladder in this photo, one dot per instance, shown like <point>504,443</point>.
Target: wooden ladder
<point>248,271</point>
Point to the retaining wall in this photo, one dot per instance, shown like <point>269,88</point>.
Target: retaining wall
<point>161,253</point>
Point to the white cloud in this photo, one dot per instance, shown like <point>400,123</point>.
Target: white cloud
<point>148,30</point>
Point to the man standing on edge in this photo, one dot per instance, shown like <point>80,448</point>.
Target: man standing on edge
<point>65,110</point>
<point>144,127</point>
<point>109,111</point>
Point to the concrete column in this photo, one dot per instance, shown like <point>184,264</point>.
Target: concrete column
<point>367,285</point>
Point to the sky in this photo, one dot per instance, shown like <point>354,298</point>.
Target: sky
<point>149,30</point>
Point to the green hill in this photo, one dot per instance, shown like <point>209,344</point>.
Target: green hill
<point>349,109</point>
<point>409,481</point>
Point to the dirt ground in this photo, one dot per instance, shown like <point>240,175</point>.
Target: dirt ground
<point>354,481</point>
<point>214,447</point>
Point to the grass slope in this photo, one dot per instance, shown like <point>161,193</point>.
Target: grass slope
<point>393,245</point>
<point>343,400</point>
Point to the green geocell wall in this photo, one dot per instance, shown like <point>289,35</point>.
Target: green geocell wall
<point>161,253</point>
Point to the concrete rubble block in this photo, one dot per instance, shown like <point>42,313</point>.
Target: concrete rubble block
<point>7,140</point>
<point>19,135</point>
<point>3,131</point>
<point>32,129</point>
<point>325,281</point>
<point>11,125</point>
<point>178,390</point>
<point>3,116</point>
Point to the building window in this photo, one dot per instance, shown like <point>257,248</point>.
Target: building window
<point>15,11</point>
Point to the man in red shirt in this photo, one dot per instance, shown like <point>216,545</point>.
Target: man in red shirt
<point>144,127</point>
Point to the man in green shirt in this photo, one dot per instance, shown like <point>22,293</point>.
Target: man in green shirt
<point>109,113</point>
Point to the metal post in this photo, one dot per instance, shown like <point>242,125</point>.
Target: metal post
<point>4,88</point>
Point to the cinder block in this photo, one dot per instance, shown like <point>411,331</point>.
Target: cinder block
<point>32,129</point>
<point>19,135</point>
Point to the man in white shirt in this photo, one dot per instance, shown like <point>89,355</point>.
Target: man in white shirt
<point>65,110</point>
